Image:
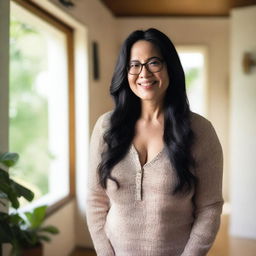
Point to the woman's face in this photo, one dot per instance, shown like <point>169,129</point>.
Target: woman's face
<point>147,85</point>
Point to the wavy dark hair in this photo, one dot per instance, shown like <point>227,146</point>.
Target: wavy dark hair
<point>178,136</point>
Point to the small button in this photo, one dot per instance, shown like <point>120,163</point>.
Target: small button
<point>138,181</point>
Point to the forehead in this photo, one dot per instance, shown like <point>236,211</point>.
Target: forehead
<point>143,50</point>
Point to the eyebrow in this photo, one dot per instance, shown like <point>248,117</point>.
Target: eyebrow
<point>154,57</point>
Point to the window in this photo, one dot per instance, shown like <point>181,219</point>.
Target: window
<point>193,60</point>
<point>41,102</point>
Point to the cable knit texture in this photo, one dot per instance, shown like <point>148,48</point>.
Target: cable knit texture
<point>142,217</point>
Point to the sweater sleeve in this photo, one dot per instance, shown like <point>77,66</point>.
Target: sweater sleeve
<point>208,199</point>
<point>97,203</point>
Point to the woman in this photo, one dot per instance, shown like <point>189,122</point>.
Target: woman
<point>155,182</point>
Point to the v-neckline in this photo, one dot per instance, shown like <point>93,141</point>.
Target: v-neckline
<point>148,162</point>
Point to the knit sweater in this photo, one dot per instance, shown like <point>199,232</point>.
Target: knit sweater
<point>143,217</point>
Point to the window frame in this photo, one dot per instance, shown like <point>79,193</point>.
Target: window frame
<point>69,32</point>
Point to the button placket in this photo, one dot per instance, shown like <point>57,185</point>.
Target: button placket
<point>139,184</point>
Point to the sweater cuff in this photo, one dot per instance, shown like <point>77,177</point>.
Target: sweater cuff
<point>103,246</point>
<point>194,250</point>
<point>107,251</point>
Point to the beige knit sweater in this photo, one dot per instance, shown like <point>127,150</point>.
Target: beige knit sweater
<point>143,218</point>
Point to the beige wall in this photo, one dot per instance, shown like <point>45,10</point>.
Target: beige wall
<point>243,124</point>
<point>63,243</point>
<point>214,34</point>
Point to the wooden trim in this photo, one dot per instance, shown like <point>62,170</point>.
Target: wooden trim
<point>69,32</point>
<point>181,16</point>
<point>43,14</point>
<point>71,81</point>
<point>58,205</point>
<point>78,250</point>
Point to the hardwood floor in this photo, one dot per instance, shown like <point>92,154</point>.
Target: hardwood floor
<point>221,244</point>
<point>224,244</point>
<point>83,252</point>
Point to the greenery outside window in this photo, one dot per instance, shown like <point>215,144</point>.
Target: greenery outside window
<point>41,103</point>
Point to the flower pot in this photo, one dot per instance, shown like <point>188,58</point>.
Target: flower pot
<point>34,251</point>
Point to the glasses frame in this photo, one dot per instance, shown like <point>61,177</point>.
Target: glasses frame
<point>145,64</point>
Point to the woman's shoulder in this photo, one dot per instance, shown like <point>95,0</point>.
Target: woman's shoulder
<point>203,130</point>
<point>103,120</point>
<point>199,123</point>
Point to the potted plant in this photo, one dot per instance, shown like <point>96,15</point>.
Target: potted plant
<point>24,231</point>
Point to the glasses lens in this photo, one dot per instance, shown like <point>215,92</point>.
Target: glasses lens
<point>134,68</point>
<point>154,65</point>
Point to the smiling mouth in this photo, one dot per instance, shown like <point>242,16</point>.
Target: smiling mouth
<point>148,84</point>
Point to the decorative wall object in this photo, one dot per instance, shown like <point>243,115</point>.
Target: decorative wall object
<point>95,56</point>
<point>67,3</point>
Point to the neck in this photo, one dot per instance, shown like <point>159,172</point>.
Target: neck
<point>151,111</point>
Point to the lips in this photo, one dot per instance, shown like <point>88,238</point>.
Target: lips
<point>147,84</point>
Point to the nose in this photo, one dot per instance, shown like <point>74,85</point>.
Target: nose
<point>144,72</point>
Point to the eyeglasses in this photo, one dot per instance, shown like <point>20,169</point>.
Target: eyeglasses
<point>153,65</point>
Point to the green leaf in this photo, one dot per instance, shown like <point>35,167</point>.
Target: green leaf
<point>4,176</point>
<point>37,216</point>
<point>12,190</point>
<point>44,238</point>
<point>28,237</point>
<point>10,193</point>
<point>5,233</point>
<point>29,218</point>
<point>8,230</point>
<point>16,219</point>
<point>22,191</point>
<point>16,250</point>
<point>4,216</point>
<point>50,229</point>
<point>9,159</point>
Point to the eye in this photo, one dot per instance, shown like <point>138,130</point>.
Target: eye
<point>134,65</point>
<point>155,63</point>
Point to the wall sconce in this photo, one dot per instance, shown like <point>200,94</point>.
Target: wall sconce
<point>248,62</point>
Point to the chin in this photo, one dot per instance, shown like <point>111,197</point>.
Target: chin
<point>147,94</point>
<point>148,97</point>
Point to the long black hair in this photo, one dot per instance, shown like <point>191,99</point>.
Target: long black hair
<point>178,136</point>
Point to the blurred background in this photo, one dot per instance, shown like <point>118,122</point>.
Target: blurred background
<point>57,60</point>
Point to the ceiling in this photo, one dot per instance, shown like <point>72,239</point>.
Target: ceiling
<point>133,8</point>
